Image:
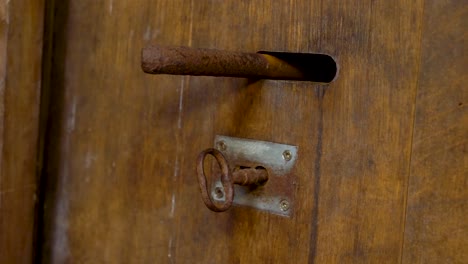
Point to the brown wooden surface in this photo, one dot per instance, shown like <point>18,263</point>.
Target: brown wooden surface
<point>21,29</point>
<point>122,145</point>
<point>437,209</point>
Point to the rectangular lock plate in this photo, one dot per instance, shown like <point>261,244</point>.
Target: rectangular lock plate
<point>277,194</point>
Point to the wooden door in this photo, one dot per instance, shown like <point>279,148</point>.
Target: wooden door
<point>381,169</point>
<point>21,33</point>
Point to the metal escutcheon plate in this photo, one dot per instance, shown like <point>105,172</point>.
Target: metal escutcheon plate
<point>277,194</point>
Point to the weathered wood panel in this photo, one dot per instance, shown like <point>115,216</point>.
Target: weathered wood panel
<point>111,132</point>
<point>337,128</point>
<point>367,127</point>
<point>21,29</point>
<point>437,212</point>
<point>122,144</point>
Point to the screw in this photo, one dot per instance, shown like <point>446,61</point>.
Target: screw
<point>219,192</point>
<point>287,155</point>
<point>221,145</point>
<point>284,205</point>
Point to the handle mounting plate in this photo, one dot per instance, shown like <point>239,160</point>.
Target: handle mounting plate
<point>277,194</point>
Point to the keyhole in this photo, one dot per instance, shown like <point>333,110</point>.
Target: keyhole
<point>219,192</point>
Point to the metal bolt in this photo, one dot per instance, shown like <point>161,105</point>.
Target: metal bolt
<point>219,192</point>
<point>221,145</point>
<point>287,155</point>
<point>284,205</point>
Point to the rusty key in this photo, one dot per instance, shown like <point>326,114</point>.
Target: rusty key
<point>245,177</point>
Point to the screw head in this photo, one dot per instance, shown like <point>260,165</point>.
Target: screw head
<point>219,192</point>
<point>284,205</point>
<point>287,155</point>
<point>221,145</point>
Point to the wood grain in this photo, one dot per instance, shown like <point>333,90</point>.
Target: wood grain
<point>111,132</point>
<point>21,28</point>
<point>367,126</point>
<point>121,144</point>
<point>436,223</point>
<point>4,26</point>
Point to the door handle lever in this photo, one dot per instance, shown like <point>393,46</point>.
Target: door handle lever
<point>209,62</point>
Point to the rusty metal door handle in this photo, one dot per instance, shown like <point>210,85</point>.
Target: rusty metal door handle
<point>208,62</point>
<point>241,176</point>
